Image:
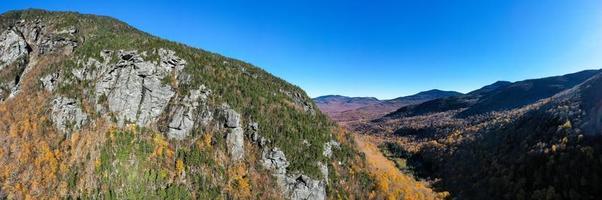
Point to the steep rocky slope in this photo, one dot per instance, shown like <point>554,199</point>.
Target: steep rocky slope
<point>93,108</point>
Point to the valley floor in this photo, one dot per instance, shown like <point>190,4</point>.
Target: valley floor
<point>391,181</point>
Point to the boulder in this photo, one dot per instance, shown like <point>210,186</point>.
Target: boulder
<point>49,81</point>
<point>235,143</point>
<point>66,114</point>
<point>232,118</point>
<point>304,188</point>
<point>275,160</point>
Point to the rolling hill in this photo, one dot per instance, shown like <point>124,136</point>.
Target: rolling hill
<point>353,109</point>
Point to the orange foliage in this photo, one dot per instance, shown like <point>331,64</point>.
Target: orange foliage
<point>34,158</point>
<point>31,147</point>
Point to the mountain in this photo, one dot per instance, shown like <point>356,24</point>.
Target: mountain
<point>490,88</point>
<point>91,107</point>
<point>337,103</point>
<point>349,109</point>
<point>546,149</point>
<point>498,96</point>
<point>550,152</point>
<point>526,92</point>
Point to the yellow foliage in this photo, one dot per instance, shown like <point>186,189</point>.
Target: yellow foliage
<point>97,163</point>
<point>238,183</point>
<point>161,146</point>
<point>391,183</point>
<point>340,133</point>
<point>207,139</point>
<point>38,152</point>
<point>180,166</point>
<point>132,128</point>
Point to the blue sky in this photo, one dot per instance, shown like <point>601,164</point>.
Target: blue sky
<point>376,48</point>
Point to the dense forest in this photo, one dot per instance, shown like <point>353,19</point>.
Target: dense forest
<point>548,149</point>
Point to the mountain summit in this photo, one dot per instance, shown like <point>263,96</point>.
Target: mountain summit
<point>93,108</point>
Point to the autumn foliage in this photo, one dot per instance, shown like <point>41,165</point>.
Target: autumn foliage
<point>391,183</point>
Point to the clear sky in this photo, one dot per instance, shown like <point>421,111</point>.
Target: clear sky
<point>374,48</point>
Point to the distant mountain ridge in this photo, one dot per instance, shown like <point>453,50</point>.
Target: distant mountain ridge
<point>501,95</point>
<point>348,109</point>
<point>343,103</point>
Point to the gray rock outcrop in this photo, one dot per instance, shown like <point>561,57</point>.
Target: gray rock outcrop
<point>133,86</point>
<point>67,115</point>
<point>235,143</point>
<point>253,134</point>
<point>232,118</point>
<point>189,112</point>
<point>300,101</point>
<point>134,89</point>
<point>22,44</point>
<point>275,160</point>
<point>296,187</point>
<point>13,52</point>
<point>304,188</point>
<point>49,81</point>
<point>12,48</point>
<point>235,134</point>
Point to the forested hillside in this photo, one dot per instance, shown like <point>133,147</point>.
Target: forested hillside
<point>546,149</point>
<point>90,107</point>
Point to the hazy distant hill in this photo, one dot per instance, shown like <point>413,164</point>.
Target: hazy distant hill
<point>337,103</point>
<point>348,109</point>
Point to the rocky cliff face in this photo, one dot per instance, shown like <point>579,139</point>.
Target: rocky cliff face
<point>227,125</point>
